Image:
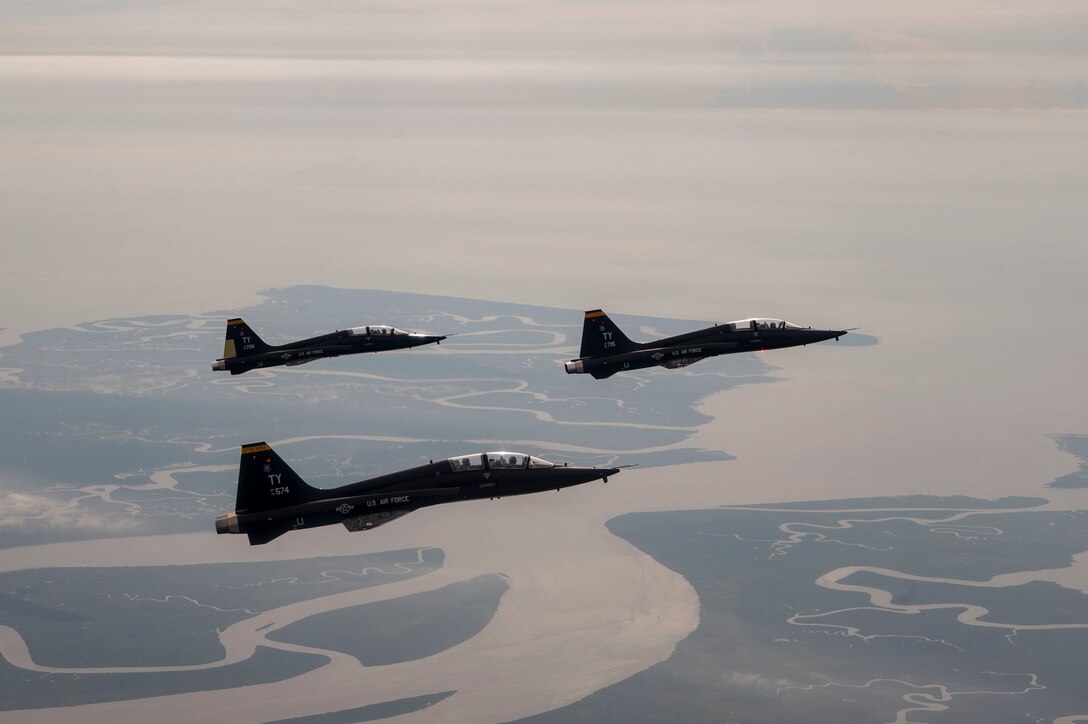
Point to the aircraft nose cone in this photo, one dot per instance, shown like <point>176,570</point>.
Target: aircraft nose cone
<point>825,334</point>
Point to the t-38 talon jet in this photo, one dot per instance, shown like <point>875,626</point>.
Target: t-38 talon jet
<point>606,350</point>
<point>273,499</point>
<point>243,350</point>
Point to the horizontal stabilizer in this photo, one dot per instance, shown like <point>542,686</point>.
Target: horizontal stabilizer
<point>260,537</point>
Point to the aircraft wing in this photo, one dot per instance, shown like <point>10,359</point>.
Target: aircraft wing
<point>675,364</point>
<point>302,356</point>
<point>418,498</point>
<point>373,520</point>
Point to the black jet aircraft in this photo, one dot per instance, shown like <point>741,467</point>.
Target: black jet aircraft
<point>273,499</point>
<point>606,350</point>
<point>243,350</point>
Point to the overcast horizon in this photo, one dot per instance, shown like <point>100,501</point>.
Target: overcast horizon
<point>732,156</point>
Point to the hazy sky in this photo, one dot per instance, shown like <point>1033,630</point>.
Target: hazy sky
<point>920,171</point>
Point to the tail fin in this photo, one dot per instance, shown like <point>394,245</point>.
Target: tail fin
<point>260,536</point>
<point>266,482</point>
<point>601,336</point>
<point>242,341</point>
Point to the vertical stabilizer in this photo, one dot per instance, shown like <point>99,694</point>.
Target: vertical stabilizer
<point>242,341</point>
<point>266,482</point>
<point>601,336</point>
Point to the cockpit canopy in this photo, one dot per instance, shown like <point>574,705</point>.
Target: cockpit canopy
<point>376,330</point>
<point>762,323</point>
<point>497,461</point>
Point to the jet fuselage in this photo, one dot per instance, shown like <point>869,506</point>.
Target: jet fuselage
<point>243,350</point>
<point>273,499</point>
<point>606,350</point>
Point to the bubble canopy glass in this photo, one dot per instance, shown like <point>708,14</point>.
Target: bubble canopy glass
<point>763,323</point>
<point>497,461</point>
<point>376,330</point>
